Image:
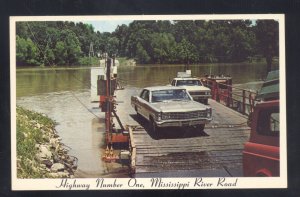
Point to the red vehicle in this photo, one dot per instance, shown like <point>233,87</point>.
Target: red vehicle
<point>261,153</point>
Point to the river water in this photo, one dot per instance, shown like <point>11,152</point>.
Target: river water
<point>64,95</point>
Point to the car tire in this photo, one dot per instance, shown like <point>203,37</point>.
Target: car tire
<point>261,175</point>
<point>200,127</point>
<point>139,116</point>
<point>153,127</point>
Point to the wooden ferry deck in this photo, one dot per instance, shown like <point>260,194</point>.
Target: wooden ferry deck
<point>215,152</point>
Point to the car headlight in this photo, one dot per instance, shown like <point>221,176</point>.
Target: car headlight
<point>158,116</point>
<point>166,116</point>
<point>209,112</point>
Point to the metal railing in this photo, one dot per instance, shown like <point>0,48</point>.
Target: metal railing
<point>236,98</point>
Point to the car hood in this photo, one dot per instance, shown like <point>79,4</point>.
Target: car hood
<point>196,88</point>
<point>178,106</point>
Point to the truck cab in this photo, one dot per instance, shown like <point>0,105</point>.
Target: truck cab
<point>261,153</point>
<point>193,85</point>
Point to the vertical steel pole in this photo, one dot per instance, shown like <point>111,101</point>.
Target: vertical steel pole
<point>108,76</point>
<point>244,101</point>
<point>228,94</point>
<point>217,94</point>
<point>108,94</point>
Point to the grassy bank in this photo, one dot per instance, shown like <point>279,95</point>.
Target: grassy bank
<point>39,151</point>
<point>29,133</point>
<point>126,62</point>
<point>85,64</point>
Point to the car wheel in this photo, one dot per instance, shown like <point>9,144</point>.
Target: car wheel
<point>137,113</point>
<point>153,127</point>
<point>261,175</point>
<point>200,127</point>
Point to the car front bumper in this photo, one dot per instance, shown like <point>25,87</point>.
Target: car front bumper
<point>201,97</point>
<point>182,123</point>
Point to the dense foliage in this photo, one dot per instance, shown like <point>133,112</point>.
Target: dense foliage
<point>183,41</point>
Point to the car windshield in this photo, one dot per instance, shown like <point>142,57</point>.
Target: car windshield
<point>188,83</point>
<point>167,95</point>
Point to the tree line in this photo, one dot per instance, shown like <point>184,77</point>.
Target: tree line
<point>148,42</point>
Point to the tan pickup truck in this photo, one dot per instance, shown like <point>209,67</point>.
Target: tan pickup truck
<point>194,86</point>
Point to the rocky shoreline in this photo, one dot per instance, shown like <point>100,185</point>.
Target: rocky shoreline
<point>40,152</point>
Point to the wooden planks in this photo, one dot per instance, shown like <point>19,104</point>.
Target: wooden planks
<point>220,146</point>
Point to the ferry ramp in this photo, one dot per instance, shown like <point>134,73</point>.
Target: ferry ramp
<point>186,152</point>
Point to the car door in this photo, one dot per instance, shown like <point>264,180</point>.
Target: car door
<point>261,153</point>
<point>144,103</point>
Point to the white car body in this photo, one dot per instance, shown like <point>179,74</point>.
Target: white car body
<point>195,88</point>
<point>153,105</point>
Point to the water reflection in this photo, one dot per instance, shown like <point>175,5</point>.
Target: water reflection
<point>37,81</point>
<point>56,93</point>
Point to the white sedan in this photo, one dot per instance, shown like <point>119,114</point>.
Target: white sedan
<point>168,106</point>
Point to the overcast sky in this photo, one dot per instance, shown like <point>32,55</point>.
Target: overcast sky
<point>111,25</point>
<point>107,26</point>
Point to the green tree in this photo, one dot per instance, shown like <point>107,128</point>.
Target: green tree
<point>60,53</point>
<point>21,47</point>
<point>241,45</point>
<point>121,33</point>
<point>68,47</point>
<point>22,30</point>
<point>267,35</point>
<point>161,47</point>
<point>182,41</point>
<point>186,52</point>
<point>85,35</point>
<point>48,56</point>
<point>184,29</point>
<point>112,45</point>
<point>27,52</point>
<point>141,54</point>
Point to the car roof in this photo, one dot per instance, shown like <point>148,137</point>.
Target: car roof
<point>154,88</point>
<point>270,87</point>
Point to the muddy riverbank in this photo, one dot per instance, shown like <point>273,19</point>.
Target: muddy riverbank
<point>40,153</point>
<point>80,127</point>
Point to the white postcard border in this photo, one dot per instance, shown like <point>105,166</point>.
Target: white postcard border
<point>145,183</point>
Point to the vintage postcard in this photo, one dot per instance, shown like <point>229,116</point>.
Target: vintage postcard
<point>148,102</point>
